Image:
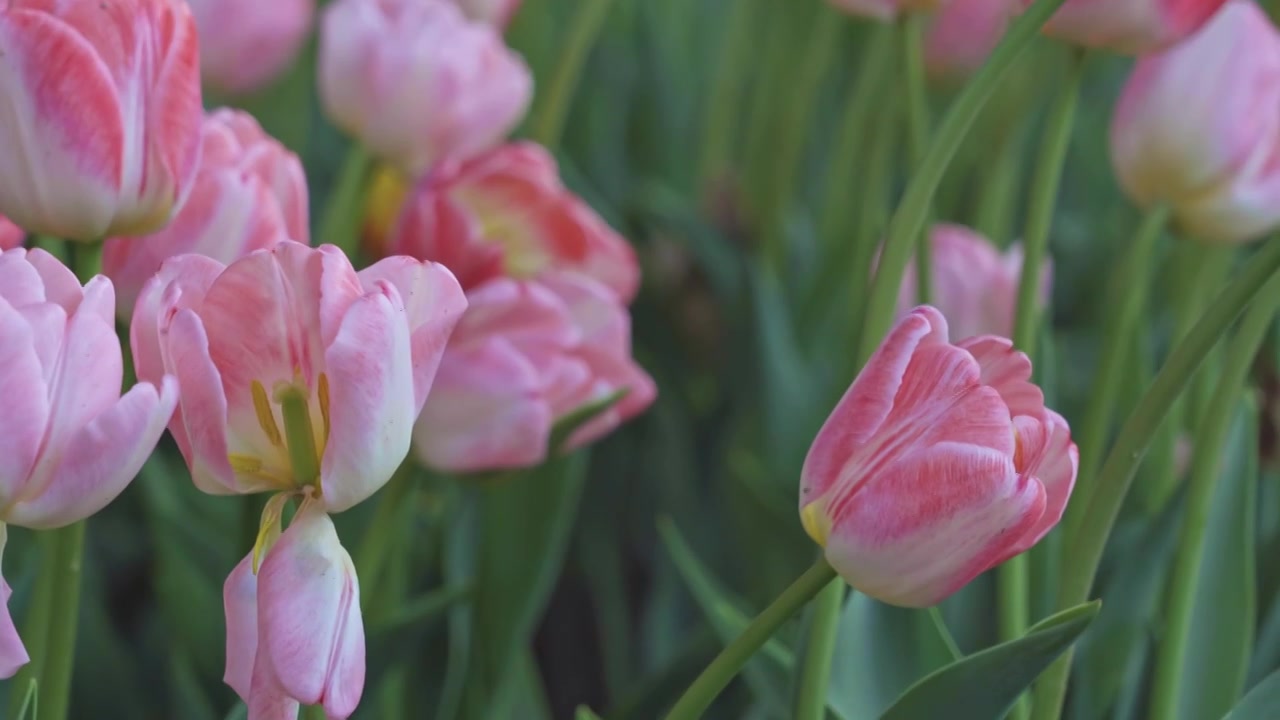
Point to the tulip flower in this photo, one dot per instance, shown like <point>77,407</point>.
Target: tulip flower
<point>294,630</point>
<point>1132,27</point>
<point>886,9</point>
<point>526,354</point>
<point>297,373</point>
<point>963,34</point>
<point>972,283</point>
<point>101,133</point>
<point>69,442</point>
<point>939,463</point>
<point>495,12</point>
<point>11,236</point>
<point>507,213</point>
<point>416,82</point>
<point>245,44</point>
<point>250,193</point>
<point>1209,155</point>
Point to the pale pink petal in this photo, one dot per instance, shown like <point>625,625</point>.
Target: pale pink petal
<point>240,601</point>
<point>1046,452</point>
<point>62,287</point>
<point>20,283</point>
<point>267,699</point>
<point>202,406</point>
<point>26,402</point>
<point>1008,371</point>
<point>13,654</point>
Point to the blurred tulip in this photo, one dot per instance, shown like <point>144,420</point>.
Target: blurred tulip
<point>245,44</point>
<point>101,133</point>
<point>939,463</point>
<point>526,354</point>
<point>1213,154</point>
<point>495,12</point>
<point>972,283</point>
<point>11,236</point>
<point>250,193</point>
<point>506,213</point>
<point>294,630</point>
<point>296,372</point>
<point>886,9</point>
<point>964,33</point>
<point>1132,27</point>
<point>416,82</point>
<point>387,190</point>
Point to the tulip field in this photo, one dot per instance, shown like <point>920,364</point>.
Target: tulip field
<point>640,359</point>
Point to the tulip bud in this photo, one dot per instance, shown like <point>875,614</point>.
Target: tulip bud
<point>11,236</point>
<point>972,284</point>
<point>245,44</point>
<point>102,127</point>
<point>506,213</point>
<point>297,373</point>
<point>1208,154</point>
<point>495,12</point>
<point>416,82</point>
<point>525,355</point>
<point>250,193</point>
<point>964,33</point>
<point>939,463</point>
<point>886,9</point>
<point>1132,27</point>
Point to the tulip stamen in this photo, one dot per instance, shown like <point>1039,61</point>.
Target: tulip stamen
<point>322,391</point>
<point>295,408</point>
<point>253,467</point>
<point>266,418</point>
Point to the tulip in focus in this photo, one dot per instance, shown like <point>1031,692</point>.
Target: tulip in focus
<point>973,284</point>
<point>69,441</point>
<point>495,12</point>
<point>525,355</point>
<point>507,213</point>
<point>250,193</point>
<point>1131,27</point>
<point>11,236</point>
<point>245,44</point>
<point>940,462</point>
<point>102,115</point>
<point>886,9</point>
<point>417,82</point>
<point>1210,155</point>
<point>963,34</point>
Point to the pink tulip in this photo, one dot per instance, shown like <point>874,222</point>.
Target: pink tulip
<point>250,193</point>
<point>973,284</point>
<point>1132,27</point>
<point>526,354</point>
<point>245,44</point>
<point>1210,155</point>
<point>507,213</point>
<point>294,630</point>
<point>11,236</point>
<point>101,132</point>
<point>417,82</point>
<point>886,9</point>
<point>964,33</point>
<point>494,12</point>
<point>939,463</point>
<point>296,372</point>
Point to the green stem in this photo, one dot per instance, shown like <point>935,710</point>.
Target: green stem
<point>547,123</point>
<point>1086,545</point>
<point>724,105</point>
<point>815,670</point>
<point>1124,313</point>
<point>722,670</point>
<point>913,29</point>
<point>994,217</point>
<point>312,712</point>
<point>55,682</point>
<point>342,215</point>
<point>1210,441</point>
<point>383,531</point>
<point>913,211</point>
<point>35,628</point>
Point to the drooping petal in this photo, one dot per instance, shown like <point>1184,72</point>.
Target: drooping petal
<point>13,654</point>
<point>268,700</point>
<point>240,602</point>
<point>26,402</point>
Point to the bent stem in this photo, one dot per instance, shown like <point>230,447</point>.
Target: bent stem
<point>383,531</point>
<point>1210,440</point>
<point>55,681</point>
<point>341,222</point>
<point>729,662</point>
<point>1086,544</point>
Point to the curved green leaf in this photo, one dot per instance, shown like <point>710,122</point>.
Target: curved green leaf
<point>1262,702</point>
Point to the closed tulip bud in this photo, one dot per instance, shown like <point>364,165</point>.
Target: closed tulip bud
<point>963,34</point>
<point>294,629</point>
<point>1197,128</point>
<point>245,44</point>
<point>297,373</point>
<point>101,132</point>
<point>886,9</point>
<point>11,236</point>
<point>507,213</point>
<point>495,12</point>
<point>416,82</point>
<point>973,284</point>
<point>525,355</point>
<point>939,463</point>
<point>250,193</point>
<point>1132,27</point>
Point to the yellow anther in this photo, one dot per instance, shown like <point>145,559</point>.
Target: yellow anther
<point>245,464</point>
<point>323,392</point>
<point>814,518</point>
<point>266,418</point>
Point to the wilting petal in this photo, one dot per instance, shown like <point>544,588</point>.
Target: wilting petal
<point>240,601</point>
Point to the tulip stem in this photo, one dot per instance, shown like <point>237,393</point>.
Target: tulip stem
<point>383,530</point>
<point>342,215</point>
<point>1210,439</point>
<point>913,27</point>
<point>913,210</point>
<point>723,110</point>
<point>729,662</point>
<point>546,126</point>
<point>35,629</point>
<point>1112,484</point>
<point>815,672</point>
<point>312,712</point>
<point>64,615</point>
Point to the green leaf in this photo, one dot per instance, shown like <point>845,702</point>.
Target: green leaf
<point>569,424</point>
<point>584,713</point>
<point>985,685</point>
<point>30,702</point>
<point>1262,702</point>
<point>1222,624</point>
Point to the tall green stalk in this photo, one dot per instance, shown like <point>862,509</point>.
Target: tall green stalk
<point>1085,546</point>
<point>340,224</point>
<point>913,29</point>
<point>548,119</point>
<point>811,702</point>
<point>64,616</point>
<point>721,123</point>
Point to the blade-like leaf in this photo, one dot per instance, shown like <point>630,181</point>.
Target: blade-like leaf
<point>1262,702</point>
<point>30,702</point>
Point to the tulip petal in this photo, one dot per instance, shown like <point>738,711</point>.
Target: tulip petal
<point>13,655</point>
<point>202,406</point>
<point>1008,371</point>
<point>268,700</point>
<point>101,459</point>
<point>371,414</point>
<point>26,403</point>
<point>62,287</point>
<point>240,601</point>
<point>1049,455</point>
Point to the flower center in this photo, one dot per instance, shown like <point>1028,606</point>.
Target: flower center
<point>299,441</point>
